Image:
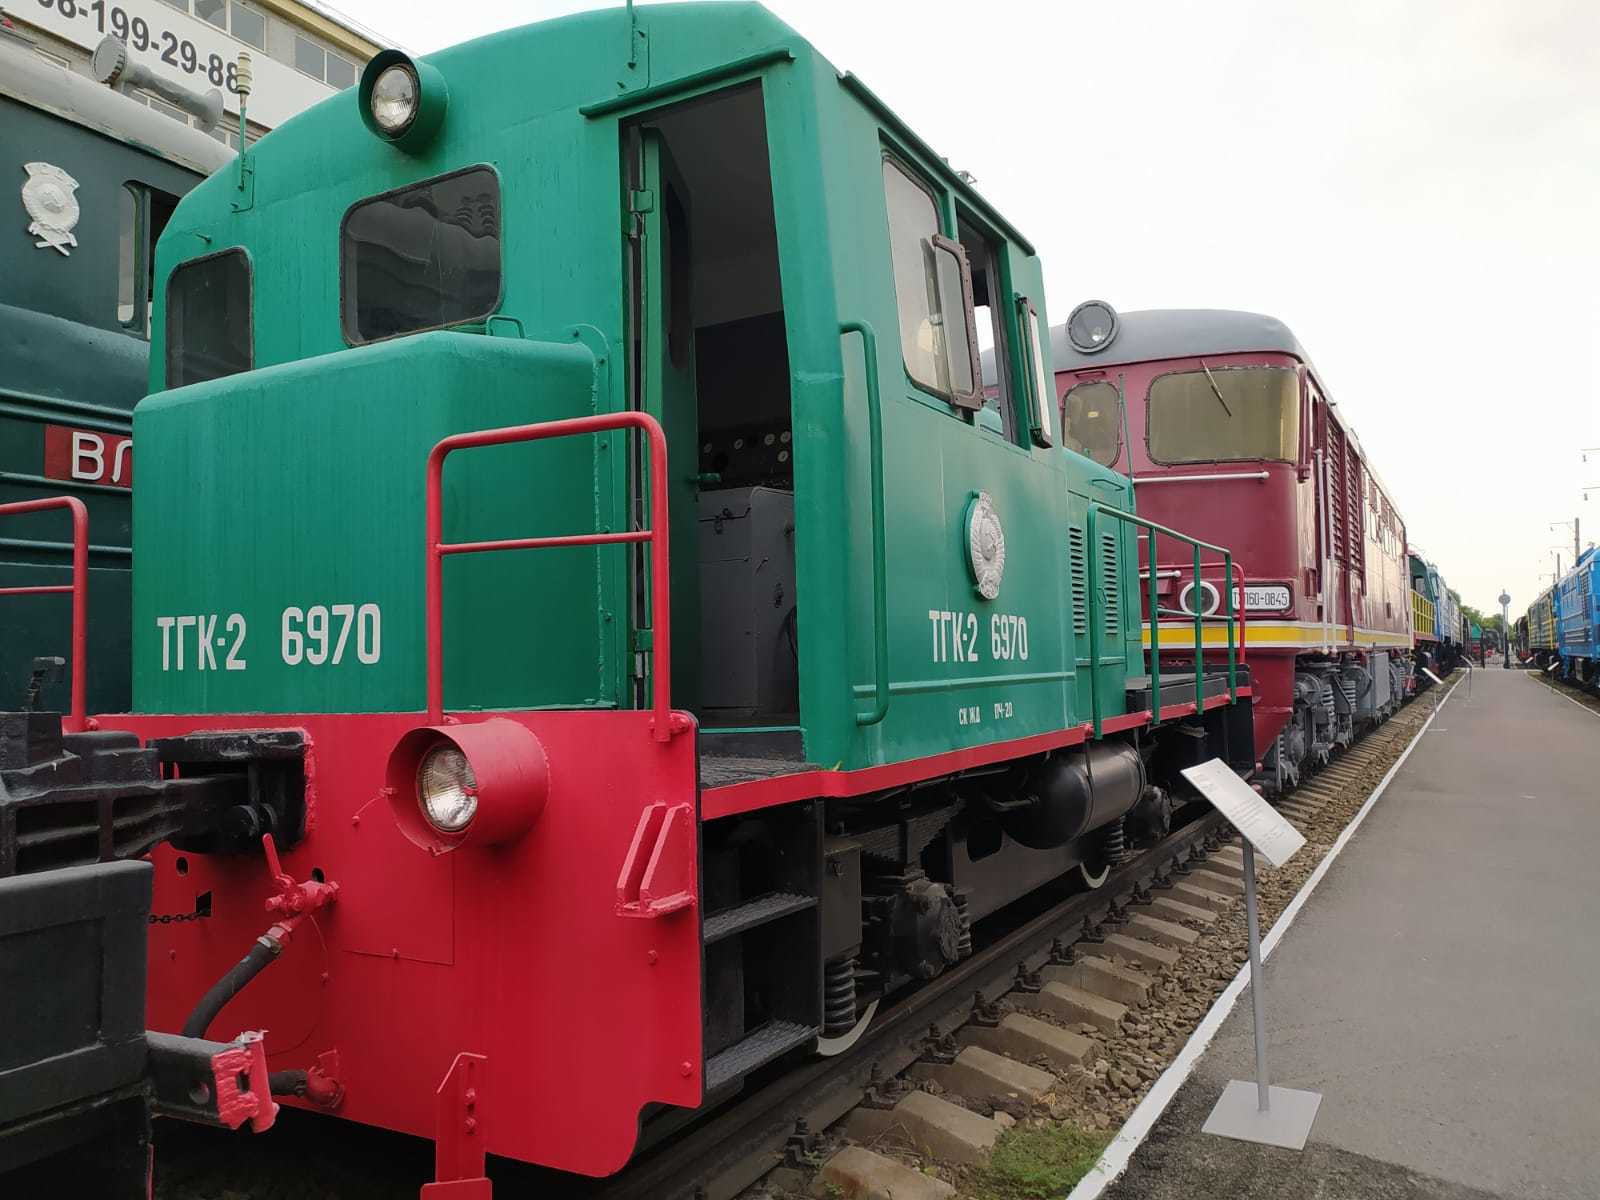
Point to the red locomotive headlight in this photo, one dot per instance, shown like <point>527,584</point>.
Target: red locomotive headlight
<point>478,784</point>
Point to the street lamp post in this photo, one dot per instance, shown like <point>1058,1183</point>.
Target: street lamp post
<point>1505,628</point>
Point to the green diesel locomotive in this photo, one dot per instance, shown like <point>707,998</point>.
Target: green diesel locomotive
<point>574,521</point>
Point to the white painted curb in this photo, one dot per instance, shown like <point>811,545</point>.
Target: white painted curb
<point>1143,1118</point>
<point>1567,698</point>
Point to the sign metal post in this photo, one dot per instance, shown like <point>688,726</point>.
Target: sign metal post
<point>1275,1116</point>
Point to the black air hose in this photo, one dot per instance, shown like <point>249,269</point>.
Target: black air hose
<point>230,985</point>
<point>287,1083</point>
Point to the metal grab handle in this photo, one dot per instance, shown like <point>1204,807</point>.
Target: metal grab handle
<point>77,720</point>
<point>880,597</point>
<point>665,723</point>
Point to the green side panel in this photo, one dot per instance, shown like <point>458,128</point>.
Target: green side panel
<point>302,485</point>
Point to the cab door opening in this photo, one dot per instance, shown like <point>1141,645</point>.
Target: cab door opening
<point>721,365</point>
<point>711,361</point>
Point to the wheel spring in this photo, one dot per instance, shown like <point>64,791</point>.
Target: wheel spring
<point>964,946</point>
<point>1116,843</point>
<point>838,997</point>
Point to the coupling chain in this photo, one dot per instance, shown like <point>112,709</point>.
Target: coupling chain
<point>168,918</point>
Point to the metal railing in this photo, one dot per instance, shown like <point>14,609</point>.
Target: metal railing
<point>1157,612</point>
<point>78,719</point>
<point>663,725</point>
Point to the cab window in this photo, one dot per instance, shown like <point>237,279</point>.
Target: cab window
<point>989,318</point>
<point>422,257</point>
<point>933,293</point>
<point>1091,422</point>
<point>142,214</point>
<point>1221,414</point>
<point>208,319</point>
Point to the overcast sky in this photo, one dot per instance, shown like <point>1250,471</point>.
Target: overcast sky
<point>1414,187</point>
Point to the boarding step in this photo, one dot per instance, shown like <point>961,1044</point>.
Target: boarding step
<point>1177,687</point>
<point>756,1049</point>
<point>752,914</point>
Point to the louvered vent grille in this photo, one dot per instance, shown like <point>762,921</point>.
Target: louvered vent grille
<point>1078,568</point>
<point>1110,582</point>
<point>1338,491</point>
<point>1354,491</point>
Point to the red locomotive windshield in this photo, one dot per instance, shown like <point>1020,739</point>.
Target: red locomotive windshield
<point>1224,414</point>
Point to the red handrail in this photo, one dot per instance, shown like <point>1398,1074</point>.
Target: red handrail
<point>660,563</point>
<point>77,720</point>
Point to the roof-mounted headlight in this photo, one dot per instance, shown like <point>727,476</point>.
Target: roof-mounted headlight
<point>394,99</point>
<point>1092,326</point>
<point>402,100</point>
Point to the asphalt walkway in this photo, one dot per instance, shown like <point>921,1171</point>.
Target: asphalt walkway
<point>1441,988</point>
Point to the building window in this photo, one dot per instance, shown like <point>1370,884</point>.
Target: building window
<point>208,319</point>
<point>423,257</point>
<point>180,5</point>
<point>341,72</point>
<point>309,57</point>
<point>214,11</point>
<point>170,110</point>
<point>248,25</point>
<point>933,293</point>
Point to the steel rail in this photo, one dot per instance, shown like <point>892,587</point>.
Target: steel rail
<point>719,1156</point>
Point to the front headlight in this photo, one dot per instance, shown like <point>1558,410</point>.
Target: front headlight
<point>447,789</point>
<point>394,99</point>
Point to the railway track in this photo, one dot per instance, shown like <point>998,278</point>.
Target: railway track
<point>1064,1054</point>
<point>1064,1016</point>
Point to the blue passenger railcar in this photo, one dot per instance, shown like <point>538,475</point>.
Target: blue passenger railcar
<point>1577,620</point>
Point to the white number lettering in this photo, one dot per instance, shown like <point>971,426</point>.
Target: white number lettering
<point>316,632</point>
<point>205,630</point>
<point>320,633</point>
<point>206,641</point>
<point>165,625</point>
<point>182,622</point>
<point>90,449</point>
<point>233,662</point>
<point>294,642</point>
<point>369,633</point>
<point>348,613</point>
<point>118,457</point>
<point>1008,637</point>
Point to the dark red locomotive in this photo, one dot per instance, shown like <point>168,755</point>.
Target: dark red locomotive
<point>1228,430</point>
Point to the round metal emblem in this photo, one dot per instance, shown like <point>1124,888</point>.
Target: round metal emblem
<point>53,209</point>
<point>986,546</point>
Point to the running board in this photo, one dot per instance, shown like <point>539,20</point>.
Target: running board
<point>756,1049</point>
<point>752,914</point>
